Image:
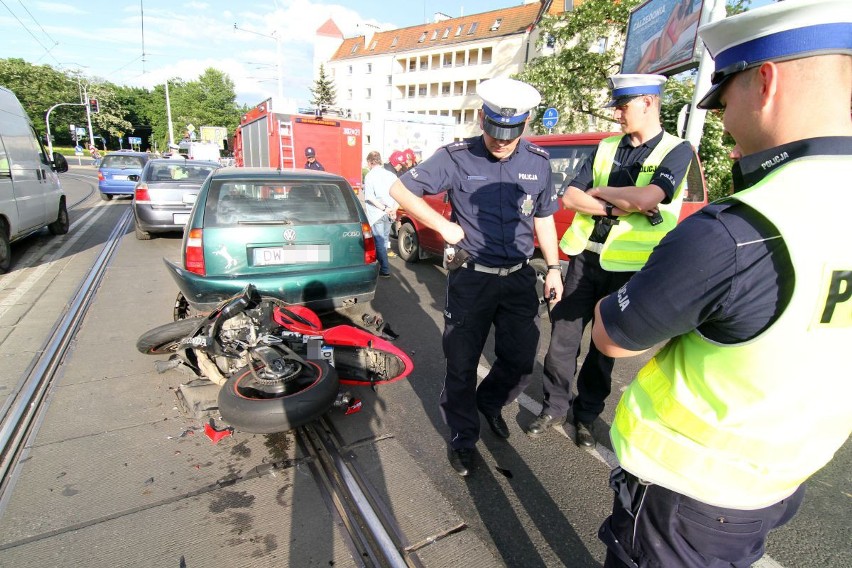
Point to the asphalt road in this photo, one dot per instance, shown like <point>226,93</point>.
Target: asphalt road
<point>532,502</point>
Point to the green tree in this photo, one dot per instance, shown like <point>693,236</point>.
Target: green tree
<point>323,93</point>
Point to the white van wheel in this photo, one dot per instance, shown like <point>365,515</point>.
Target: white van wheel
<point>5,248</point>
<point>60,226</point>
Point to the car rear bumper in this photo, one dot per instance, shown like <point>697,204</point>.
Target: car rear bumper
<point>205,292</point>
<point>116,188</point>
<point>153,219</point>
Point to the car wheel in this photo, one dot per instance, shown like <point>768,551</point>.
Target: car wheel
<point>409,247</point>
<point>61,225</point>
<point>248,400</point>
<point>140,234</point>
<point>165,339</point>
<point>5,248</point>
<point>183,309</point>
<point>106,196</point>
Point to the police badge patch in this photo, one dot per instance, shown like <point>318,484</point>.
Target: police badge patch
<point>527,206</point>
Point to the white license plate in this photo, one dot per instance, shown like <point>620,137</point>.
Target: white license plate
<point>272,256</point>
<point>120,178</point>
<point>189,198</point>
<point>181,218</point>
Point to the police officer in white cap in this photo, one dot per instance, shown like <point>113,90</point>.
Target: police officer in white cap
<point>174,152</point>
<point>627,197</point>
<point>502,196</point>
<point>752,296</point>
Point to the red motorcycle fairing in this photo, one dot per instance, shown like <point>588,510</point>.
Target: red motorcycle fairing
<point>361,358</point>
<point>298,319</point>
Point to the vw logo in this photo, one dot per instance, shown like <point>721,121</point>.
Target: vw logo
<point>289,235</point>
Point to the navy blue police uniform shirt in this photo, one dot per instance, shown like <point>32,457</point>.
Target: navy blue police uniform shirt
<point>720,271</point>
<point>494,201</point>
<point>626,168</point>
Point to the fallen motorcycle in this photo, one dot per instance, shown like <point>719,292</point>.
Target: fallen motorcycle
<point>276,365</point>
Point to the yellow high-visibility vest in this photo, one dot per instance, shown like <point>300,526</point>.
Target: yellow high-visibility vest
<point>630,242</point>
<point>743,425</point>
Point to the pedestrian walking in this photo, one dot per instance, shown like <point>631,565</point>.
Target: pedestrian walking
<point>627,196</point>
<point>501,192</point>
<point>750,395</point>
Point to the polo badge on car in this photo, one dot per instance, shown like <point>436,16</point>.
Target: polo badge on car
<point>230,261</point>
<point>289,235</point>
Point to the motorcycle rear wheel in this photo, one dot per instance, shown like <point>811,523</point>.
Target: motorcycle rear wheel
<point>165,339</point>
<point>242,406</point>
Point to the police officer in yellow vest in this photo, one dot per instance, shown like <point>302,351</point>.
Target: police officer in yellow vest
<point>627,197</point>
<point>750,395</point>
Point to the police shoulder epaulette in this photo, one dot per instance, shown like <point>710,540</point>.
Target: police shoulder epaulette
<point>460,145</point>
<point>538,150</point>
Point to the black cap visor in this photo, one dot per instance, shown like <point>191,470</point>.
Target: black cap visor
<point>710,101</point>
<point>503,131</point>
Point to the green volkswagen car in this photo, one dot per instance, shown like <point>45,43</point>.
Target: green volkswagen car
<point>298,235</point>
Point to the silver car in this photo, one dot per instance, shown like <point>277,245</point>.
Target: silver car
<point>164,194</point>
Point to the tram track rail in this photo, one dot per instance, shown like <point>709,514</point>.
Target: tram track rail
<point>19,413</point>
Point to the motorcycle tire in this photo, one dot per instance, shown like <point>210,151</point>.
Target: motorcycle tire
<point>253,414</point>
<point>165,339</point>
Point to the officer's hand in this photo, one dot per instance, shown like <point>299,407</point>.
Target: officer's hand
<point>553,286</point>
<point>452,232</point>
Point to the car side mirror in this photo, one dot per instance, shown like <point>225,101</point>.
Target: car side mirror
<point>60,164</point>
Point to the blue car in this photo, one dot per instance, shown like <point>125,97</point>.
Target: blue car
<point>115,171</point>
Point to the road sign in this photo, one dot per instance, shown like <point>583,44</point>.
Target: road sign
<point>550,118</point>
<point>134,139</point>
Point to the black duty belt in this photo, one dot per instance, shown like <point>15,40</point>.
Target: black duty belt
<point>494,269</point>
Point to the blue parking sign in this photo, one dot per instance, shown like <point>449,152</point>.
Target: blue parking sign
<point>550,117</point>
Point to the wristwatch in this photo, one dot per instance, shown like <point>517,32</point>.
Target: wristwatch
<point>609,207</point>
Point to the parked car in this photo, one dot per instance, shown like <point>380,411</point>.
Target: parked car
<point>31,196</point>
<point>298,235</point>
<point>164,194</point>
<point>567,154</point>
<point>115,170</point>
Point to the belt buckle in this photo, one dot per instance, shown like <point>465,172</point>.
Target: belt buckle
<point>503,271</point>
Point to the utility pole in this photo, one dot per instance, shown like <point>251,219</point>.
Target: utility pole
<point>169,116</point>
<point>88,113</point>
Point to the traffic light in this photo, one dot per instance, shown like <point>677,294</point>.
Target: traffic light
<point>93,105</point>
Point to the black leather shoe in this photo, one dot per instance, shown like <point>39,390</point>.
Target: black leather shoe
<point>497,424</point>
<point>540,425</point>
<point>584,435</point>
<point>462,460</point>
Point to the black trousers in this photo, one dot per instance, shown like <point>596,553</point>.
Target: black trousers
<point>476,301</point>
<point>585,284</point>
<point>653,527</point>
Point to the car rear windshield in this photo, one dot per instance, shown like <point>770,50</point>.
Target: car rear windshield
<point>231,203</point>
<point>177,172</point>
<point>119,161</point>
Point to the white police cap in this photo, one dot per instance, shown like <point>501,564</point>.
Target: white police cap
<point>784,30</point>
<point>628,85</point>
<point>506,106</point>
<point>174,147</point>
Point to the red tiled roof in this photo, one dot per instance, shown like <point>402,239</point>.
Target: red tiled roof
<point>515,20</point>
<point>329,28</point>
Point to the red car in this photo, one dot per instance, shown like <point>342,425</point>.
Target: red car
<point>567,154</point>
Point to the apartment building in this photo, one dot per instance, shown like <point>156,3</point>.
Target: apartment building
<point>430,69</point>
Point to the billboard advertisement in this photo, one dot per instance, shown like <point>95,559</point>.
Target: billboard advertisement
<point>662,37</point>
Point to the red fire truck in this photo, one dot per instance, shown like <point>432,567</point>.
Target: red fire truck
<point>269,139</point>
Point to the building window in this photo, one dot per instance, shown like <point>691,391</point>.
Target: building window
<point>448,60</point>
<point>369,93</point>
<point>445,90</point>
<point>390,80</point>
<point>350,69</point>
<point>472,29</point>
<point>551,41</point>
<point>367,136</point>
<point>486,56</point>
<point>569,6</point>
<point>446,34</point>
<point>412,65</point>
<point>422,38</point>
<point>421,91</point>
<point>354,48</point>
<point>599,46</point>
<point>349,94</point>
<point>496,25</point>
<point>395,41</point>
<point>459,30</point>
<point>434,35</point>
<point>369,116</point>
<point>424,64</point>
<point>410,92</point>
<point>369,67</point>
<point>373,45</point>
<point>389,105</point>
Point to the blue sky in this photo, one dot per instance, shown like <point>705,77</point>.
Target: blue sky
<point>104,38</point>
<point>144,42</point>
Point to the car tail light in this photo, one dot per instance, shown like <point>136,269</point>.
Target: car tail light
<point>369,244</point>
<point>194,255</point>
<point>141,194</point>
<point>101,176</point>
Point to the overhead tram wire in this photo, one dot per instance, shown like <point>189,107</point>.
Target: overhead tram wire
<point>55,43</point>
<point>46,49</point>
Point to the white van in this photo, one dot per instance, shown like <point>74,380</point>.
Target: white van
<point>30,194</point>
<point>200,151</point>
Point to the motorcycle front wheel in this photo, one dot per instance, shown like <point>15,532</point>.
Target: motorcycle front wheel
<point>246,405</point>
<point>165,339</point>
